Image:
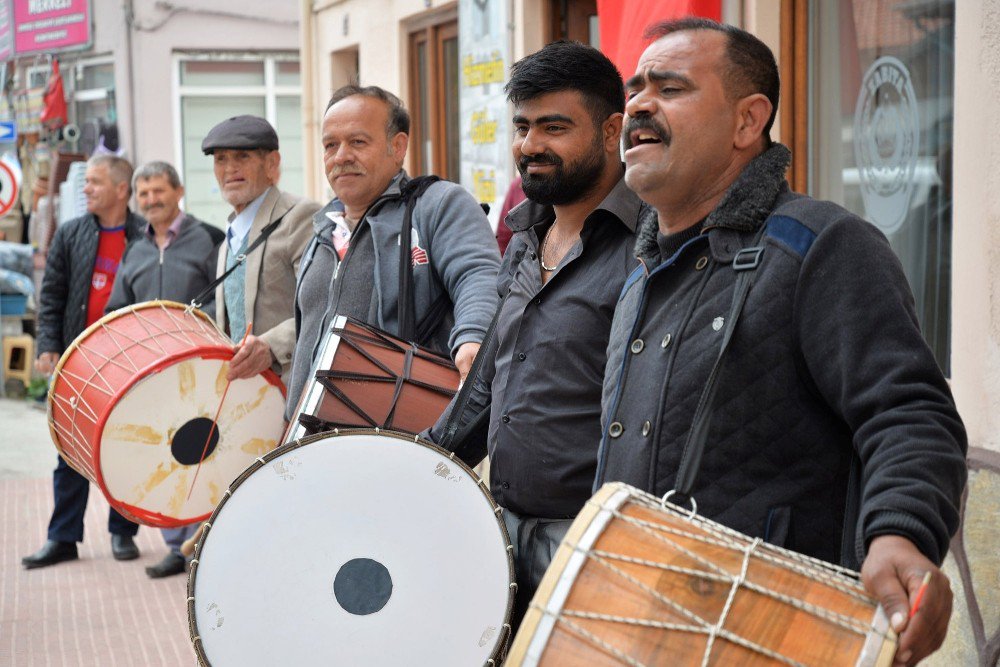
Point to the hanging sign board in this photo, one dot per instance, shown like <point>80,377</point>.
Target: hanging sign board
<point>51,26</point>
<point>8,188</point>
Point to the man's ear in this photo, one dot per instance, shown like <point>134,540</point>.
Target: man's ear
<point>397,145</point>
<point>272,166</point>
<point>752,114</point>
<point>612,132</point>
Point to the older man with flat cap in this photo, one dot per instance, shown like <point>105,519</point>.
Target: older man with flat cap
<point>268,229</point>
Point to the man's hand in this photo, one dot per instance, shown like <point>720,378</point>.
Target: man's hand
<point>464,357</point>
<point>252,357</point>
<point>46,362</point>
<point>893,572</point>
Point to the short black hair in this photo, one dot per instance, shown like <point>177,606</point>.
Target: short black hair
<point>566,65</point>
<point>399,118</point>
<point>752,68</point>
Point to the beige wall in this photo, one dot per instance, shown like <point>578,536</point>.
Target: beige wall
<point>224,25</point>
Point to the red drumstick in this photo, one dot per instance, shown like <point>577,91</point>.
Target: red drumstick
<point>919,598</point>
<point>204,450</point>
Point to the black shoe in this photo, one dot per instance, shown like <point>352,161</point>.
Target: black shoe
<point>123,547</point>
<point>170,565</point>
<point>52,552</point>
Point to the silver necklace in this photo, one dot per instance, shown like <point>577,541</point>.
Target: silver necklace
<point>545,244</point>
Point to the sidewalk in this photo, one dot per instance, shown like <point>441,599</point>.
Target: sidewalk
<point>93,611</point>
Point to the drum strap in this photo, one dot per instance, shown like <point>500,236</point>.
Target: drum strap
<point>409,329</point>
<point>199,300</point>
<point>406,305</point>
<point>745,262</point>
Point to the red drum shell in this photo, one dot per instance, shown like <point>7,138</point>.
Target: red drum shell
<point>109,363</point>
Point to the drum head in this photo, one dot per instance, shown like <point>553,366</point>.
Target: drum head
<point>361,548</point>
<point>156,433</point>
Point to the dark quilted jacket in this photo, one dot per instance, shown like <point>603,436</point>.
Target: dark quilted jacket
<point>62,306</point>
<point>834,423</point>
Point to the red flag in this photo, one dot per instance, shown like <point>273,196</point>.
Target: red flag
<point>54,112</point>
<point>622,24</point>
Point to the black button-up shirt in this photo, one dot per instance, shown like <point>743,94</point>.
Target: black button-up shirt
<point>545,420</point>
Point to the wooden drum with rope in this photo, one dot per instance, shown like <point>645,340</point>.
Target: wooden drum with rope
<point>140,406</point>
<point>638,581</point>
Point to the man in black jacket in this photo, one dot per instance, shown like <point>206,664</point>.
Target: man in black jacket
<point>79,273</point>
<point>832,431</point>
<point>174,260</point>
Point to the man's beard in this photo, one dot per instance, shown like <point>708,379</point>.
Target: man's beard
<point>564,184</point>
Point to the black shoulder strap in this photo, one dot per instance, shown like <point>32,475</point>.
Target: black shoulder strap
<point>745,262</point>
<point>198,301</point>
<point>406,305</point>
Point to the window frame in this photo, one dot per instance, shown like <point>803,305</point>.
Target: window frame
<point>270,90</point>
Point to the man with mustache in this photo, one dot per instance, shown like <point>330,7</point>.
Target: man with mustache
<point>174,260</point>
<point>79,272</point>
<point>540,376</point>
<point>352,264</point>
<point>259,290</point>
<point>765,360</point>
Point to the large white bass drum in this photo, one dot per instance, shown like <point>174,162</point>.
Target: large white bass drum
<point>359,547</point>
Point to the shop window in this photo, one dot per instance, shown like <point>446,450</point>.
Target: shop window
<point>433,105</point>
<point>211,89</point>
<point>880,134</point>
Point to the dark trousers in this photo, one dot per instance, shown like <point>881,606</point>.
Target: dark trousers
<point>70,490</point>
<point>535,542</point>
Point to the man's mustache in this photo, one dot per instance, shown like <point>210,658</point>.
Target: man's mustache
<point>346,170</point>
<point>643,123</point>
<point>540,159</point>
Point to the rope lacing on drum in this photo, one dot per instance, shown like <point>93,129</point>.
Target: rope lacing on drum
<point>718,536</point>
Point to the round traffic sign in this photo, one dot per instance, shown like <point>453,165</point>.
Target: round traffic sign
<point>8,188</point>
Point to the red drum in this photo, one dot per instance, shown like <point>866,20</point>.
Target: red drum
<point>366,378</point>
<point>132,406</point>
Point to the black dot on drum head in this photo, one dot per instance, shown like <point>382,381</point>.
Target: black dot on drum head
<point>362,586</point>
<point>189,441</point>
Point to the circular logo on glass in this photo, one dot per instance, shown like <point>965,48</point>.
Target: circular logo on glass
<point>886,142</point>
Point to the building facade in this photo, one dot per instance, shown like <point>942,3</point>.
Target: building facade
<point>162,74</point>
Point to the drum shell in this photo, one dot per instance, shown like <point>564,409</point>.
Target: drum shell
<point>649,580</point>
<point>380,381</point>
<point>96,371</point>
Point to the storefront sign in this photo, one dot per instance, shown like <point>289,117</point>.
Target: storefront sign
<point>483,44</point>
<point>51,26</point>
<point>886,142</point>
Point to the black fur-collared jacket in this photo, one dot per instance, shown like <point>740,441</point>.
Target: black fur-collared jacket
<point>833,423</point>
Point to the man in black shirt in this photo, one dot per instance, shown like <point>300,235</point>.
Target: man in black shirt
<point>539,376</point>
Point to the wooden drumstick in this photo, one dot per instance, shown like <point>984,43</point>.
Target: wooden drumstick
<point>187,548</point>
<point>215,420</point>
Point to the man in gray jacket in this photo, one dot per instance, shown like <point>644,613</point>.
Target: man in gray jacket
<point>352,264</point>
<point>174,260</point>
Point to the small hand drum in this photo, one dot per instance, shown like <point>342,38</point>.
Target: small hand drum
<point>132,405</point>
<point>640,582</point>
<point>358,548</point>
<point>366,378</point>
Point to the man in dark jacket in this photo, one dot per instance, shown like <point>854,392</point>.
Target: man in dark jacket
<point>352,264</point>
<point>174,260</point>
<point>79,273</point>
<point>832,431</point>
<point>540,373</point>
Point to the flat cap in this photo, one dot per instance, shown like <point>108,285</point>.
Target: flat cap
<point>245,132</point>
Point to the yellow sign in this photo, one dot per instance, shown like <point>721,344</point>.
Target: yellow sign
<point>484,130</point>
<point>482,72</point>
<point>484,185</point>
